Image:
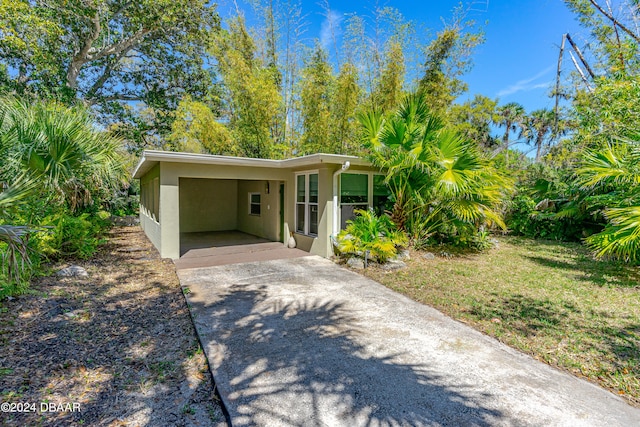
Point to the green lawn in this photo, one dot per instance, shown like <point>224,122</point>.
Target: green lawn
<point>551,300</point>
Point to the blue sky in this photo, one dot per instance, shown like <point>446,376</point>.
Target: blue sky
<point>518,60</point>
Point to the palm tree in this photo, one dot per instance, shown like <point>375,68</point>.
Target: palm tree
<point>15,257</point>
<point>437,178</point>
<point>58,151</point>
<point>539,129</point>
<point>511,117</point>
<point>615,170</point>
<point>61,148</point>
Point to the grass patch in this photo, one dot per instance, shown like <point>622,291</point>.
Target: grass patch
<point>549,299</point>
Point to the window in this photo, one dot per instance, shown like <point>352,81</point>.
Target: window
<point>254,204</point>
<point>381,195</point>
<point>361,191</point>
<point>156,199</point>
<point>354,194</point>
<point>307,204</point>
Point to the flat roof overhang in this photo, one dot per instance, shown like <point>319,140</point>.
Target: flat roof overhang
<point>150,158</point>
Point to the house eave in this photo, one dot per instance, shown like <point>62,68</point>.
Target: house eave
<point>150,158</point>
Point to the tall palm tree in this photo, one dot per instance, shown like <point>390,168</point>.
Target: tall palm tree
<point>539,129</point>
<point>437,178</point>
<point>512,118</point>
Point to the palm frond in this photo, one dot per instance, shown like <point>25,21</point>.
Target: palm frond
<point>620,239</point>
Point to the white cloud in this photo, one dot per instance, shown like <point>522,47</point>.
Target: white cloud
<point>527,84</point>
<point>331,23</point>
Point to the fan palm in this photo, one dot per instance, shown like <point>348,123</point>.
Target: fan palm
<point>436,177</point>
<point>511,117</point>
<point>60,147</point>
<point>15,256</point>
<point>615,170</point>
<point>539,129</point>
<point>54,149</point>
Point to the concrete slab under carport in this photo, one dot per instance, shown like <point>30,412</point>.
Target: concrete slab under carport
<point>214,248</point>
<point>304,342</point>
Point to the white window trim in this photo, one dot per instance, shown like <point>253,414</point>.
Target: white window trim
<point>259,204</point>
<point>306,202</point>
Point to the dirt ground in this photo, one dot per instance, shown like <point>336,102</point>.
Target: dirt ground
<point>116,348</point>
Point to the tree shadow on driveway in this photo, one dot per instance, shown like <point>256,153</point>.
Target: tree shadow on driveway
<point>306,362</point>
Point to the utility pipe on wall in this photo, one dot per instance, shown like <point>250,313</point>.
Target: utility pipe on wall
<point>336,227</point>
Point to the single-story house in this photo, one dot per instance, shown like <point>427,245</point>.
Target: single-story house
<point>311,196</point>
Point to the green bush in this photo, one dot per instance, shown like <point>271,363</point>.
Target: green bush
<point>369,232</point>
<point>71,236</point>
<point>524,220</point>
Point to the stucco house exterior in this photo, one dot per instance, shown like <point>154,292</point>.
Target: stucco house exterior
<point>311,196</point>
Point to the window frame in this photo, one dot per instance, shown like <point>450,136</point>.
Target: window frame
<point>251,203</point>
<point>306,203</point>
<point>370,189</point>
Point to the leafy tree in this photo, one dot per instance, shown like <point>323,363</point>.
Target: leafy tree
<point>197,130</point>
<point>448,56</point>
<point>109,54</point>
<point>316,97</point>
<point>389,89</point>
<point>252,101</point>
<point>611,109</point>
<point>615,35</point>
<point>344,104</point>
<point>473,119</point>
<point>439,182</point>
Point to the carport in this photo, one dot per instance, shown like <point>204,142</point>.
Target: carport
<point>214,248</point>
<point>228,212</point>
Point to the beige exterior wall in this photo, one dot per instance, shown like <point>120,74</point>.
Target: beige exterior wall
<point>266,224</point>
<point>201,199</point>
<point>208,204</point>
<point>149,222</point>
<point>320,244</point>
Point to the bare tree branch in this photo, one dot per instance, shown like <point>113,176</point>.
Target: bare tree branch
<point>555,123</point>
<point>117,48</point>
<point>615,21</point>
<point>581,56</point>
<point>584,78</point>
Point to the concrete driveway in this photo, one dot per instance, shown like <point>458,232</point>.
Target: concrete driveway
<point>304,342</point>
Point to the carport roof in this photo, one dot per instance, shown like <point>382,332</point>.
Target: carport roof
<point>150,158</point>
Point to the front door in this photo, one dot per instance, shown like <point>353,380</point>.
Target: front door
<point>281,207</point>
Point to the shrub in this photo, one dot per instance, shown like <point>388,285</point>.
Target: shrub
<point>72,236</point>
<point>369,232</point>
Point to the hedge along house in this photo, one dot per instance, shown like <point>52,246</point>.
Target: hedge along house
<point>312,196</point>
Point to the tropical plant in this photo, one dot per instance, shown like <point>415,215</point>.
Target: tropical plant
<point>368,232</point>
<point>110,54</point>
<point>54,162</point>
<point>440,183</point>
<point>615,171</point>
<point>60,148</point>
<point>512,117</point>
<point>539,130</point>
<point>15,256</point>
